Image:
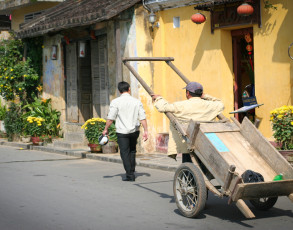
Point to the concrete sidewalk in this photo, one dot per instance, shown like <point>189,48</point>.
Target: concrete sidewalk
<point>150,160</point>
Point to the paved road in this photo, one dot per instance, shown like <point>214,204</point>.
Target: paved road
<point>41,191</point>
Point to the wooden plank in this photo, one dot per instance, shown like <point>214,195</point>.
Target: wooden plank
<point>263,189</point>
<point>191,132</point>
<point>103,72</point>
<point>71,83</point>
<point>244,156</point>
<point>244,209</point>
<point>235,121</point>
<point>265,149</point>
<point>211,158</point>
<point>147,59</point>
<point>219,127</point>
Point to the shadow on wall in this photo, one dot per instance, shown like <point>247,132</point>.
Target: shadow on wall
<point>283,38</point>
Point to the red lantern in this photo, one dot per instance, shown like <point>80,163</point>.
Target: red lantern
<point>198,18</point>
<point>245,9</point>
<point>249,48</point>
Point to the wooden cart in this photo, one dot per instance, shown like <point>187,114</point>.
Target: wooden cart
<point>221,152</point>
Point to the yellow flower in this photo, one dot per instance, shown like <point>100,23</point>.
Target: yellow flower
<point>25,75</point>
<point>11,70</point>
<point>19,89</point>
<point>280,116</point>
<point>6,77</point>
<point>58,126</point>
<point>39,88</point>
<point>43,46</point>
<point>85,128</point>
<point>291,123</point>
<point>12,78</point>
<point>39,124</point>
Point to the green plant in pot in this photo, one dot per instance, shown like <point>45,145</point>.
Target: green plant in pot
<point>93,129</point>
<point>35,126</point>
<point>282,124</point>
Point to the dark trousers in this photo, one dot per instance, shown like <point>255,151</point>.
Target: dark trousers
<point>127,146</point>
<point>186,158</point>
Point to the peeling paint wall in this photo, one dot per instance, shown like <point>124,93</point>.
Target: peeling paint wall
<point>53,78</point>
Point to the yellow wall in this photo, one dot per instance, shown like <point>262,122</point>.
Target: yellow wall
<point>199,55</point>
<point>273,67</point>
<point>207,58</point>
<point>18,15</point>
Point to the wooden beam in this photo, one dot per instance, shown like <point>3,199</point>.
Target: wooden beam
<point>148,59</point>
<point>244,209</point>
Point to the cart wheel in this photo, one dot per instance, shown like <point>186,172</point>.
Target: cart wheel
<point>264,203</point>
<point>189,190</point>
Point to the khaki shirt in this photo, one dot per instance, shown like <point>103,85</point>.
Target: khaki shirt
<point>197,109</point>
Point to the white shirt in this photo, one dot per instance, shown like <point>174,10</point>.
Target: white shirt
<point>127,111</point>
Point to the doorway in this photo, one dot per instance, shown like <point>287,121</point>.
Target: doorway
<point>243,68</point>
<point>87,87</point>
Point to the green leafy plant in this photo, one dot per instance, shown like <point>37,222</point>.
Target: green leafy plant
<point>93,129</point>
<point>43,108</point>
<point>282,124</point>
<point>3,111</point>
<point>17,77</point>
<point>13,121</point>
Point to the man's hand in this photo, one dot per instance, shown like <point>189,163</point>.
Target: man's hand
<point>105,132</point>
<point>145,136</point>
<point>154,97</point>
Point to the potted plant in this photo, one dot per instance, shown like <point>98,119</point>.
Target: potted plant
<point>36,128</point>
<point>282,125</point>
<point>93,129</point>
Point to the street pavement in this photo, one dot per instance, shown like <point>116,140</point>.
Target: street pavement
<point>41,190</point>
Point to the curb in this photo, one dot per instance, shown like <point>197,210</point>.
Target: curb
<point>82,153</point>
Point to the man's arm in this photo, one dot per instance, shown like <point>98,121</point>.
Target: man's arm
<point>145,128</point>
<point>108,124</point>
<point>163,105</point>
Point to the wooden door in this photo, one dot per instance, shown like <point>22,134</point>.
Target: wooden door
<point>71,83</point>
<point>85,85</point>
<point>243,66</point>
<point>100,83</point>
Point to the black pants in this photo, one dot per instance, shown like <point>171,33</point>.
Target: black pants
<point>186,158</point>
<point>127,146</point>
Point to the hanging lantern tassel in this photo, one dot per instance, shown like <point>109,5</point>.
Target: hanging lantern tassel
<point>245,9</point>
<point>198,18</point>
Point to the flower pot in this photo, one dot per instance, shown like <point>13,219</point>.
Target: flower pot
<point>110,147</point>
<point>25,139</point>
<point>36,140</point>
<point>95,148</point>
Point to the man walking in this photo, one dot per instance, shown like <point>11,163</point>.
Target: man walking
<point>197,107</point>
<point>128,113</point>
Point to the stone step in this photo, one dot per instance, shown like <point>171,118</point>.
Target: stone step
<point>70,145</point>
<point>75,136</point>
